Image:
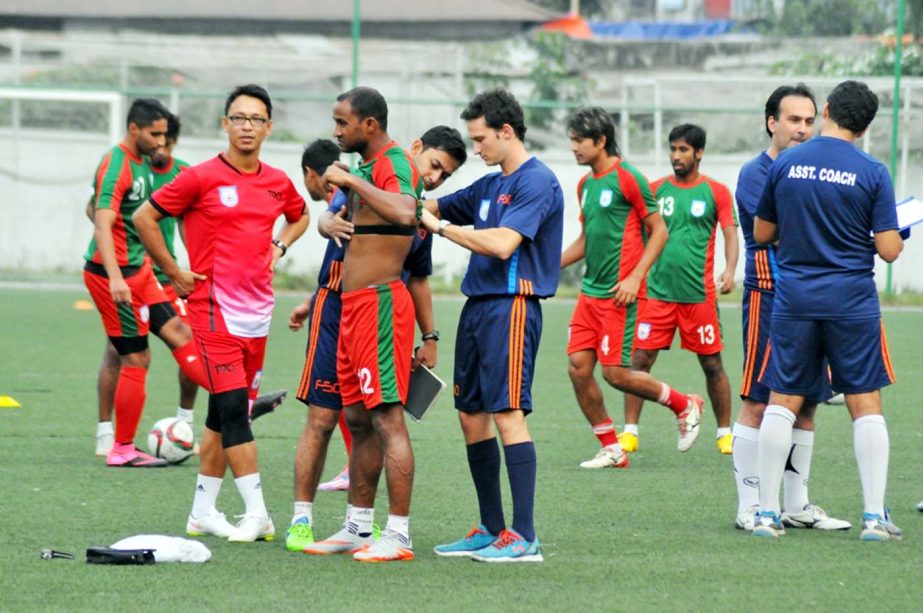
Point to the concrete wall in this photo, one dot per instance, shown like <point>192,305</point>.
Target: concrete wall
<point>45,182</point>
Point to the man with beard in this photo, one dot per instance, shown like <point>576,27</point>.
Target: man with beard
<point>681,285</point>
<point>376,326</point>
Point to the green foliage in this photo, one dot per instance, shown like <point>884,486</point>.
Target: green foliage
<point>555,78</point>
<point>878,62</point>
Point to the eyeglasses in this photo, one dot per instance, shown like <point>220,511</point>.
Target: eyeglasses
<point>256,121</point>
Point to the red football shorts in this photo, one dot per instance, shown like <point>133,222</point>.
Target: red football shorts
<point>231,362</point>
<point>699,326</point>
<point>599,325</point>
<point>126,320</point>
<point>375,348</point>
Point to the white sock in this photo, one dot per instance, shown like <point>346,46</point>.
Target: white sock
<point>399,524</point>
<point>633,428</point>
<point>305,510</point>
<point>872,446</point>
<point>745,454</point>
<point>360,520</point>
<point>775,441</point>
<point>206,495</point>
<point>722,432</point>
<point>798,470</point>
<point>103,427</point>
<point>184,414</point>
<point>251,490</point>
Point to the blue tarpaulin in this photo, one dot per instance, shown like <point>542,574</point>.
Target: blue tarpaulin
<point>640,30</point>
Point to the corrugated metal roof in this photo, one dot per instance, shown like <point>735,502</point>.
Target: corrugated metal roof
<point>288,10</point>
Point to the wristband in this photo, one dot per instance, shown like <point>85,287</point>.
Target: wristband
<point>280,245</point>
<point>431,336</point>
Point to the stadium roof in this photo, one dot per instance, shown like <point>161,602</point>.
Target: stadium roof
<point>379,17</point>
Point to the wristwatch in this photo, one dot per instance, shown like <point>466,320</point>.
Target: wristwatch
<point>443,223</point>
<point>280,245</point>
<point>431,336</point>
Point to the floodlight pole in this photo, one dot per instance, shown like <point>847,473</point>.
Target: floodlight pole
<point>357,22</point>
<point>896,110</point>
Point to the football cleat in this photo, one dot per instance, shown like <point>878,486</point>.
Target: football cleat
<point>478,538</point>
<point>812,516</point>
<point>253,528</point>
<point>340,483</point>
<point>343,541</point>
<point>299,535</point>
<point>266,404</point>
<point>510,546</point>
<point>607,457</point>
<point>746,518</point>
<point>688,423</point>
<point>628,441</point>
<point>104,443</point>
<point>878,528</point>
<point>391,547</point>
<point>129,456</point>
<point>725,444</point>
<point>768,524</point>
<point>212,523</point>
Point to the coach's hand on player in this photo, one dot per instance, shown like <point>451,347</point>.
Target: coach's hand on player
<point>425,354</point>
<point>626,290</point>
<point>726,282</point>
<point>121,293</point>
<point>339,228</point>
<point>184,282</point>
<point>298,315</point>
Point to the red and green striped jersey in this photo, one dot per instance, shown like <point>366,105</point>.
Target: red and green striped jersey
<point>392,170</point>
<point>162,176</point>
<point>612,207</point>
<point>685,271</point>
<point>122,183</point>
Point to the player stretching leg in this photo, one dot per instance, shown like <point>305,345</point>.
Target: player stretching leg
<point>788,120</point>
<point>121,281</point>
<point>681,284</point>
<point>615,203</point>
<point>437,154</point>
<point>822,202</point>
<point>376,326</point>
<point>515,246</point>
<point>229,206</point>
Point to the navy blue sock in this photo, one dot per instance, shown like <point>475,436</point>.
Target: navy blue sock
<point>484,462</point>
<point>520,466</point>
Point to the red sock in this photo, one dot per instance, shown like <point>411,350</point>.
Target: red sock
<point>344,430</point>
<point>605,432</point>
<point>676,401</point>
<point>129,403</point>
<point>188,359</point>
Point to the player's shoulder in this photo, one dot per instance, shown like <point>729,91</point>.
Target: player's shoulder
<point>656,184</point>
<point>755,167</point>
<point>534,169</point>
<point>717,187</point>
<point>625,170</point>
<point>181,164</point>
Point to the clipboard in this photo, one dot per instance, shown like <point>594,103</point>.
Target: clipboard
<point>422,391</point>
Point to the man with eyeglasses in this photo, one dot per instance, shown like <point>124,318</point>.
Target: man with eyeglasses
<point>229,205</point>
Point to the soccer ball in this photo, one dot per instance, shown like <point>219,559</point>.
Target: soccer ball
<point>171,439</point>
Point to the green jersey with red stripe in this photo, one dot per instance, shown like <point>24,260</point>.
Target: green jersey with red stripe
<point>162,176</point>
<point>612,207</point>
<point>685,271</point>
<point>392,170</point>
<point>122,183</point>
